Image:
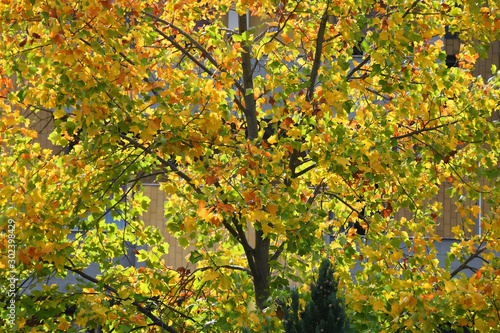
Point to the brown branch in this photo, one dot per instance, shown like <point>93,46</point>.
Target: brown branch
<point>192,41</point>
<point>278,252</point>
<point>350,207</point>
<point>300,173</point>
<point>317,56</point>
<point>185,52</point>
<point>233,232</point>
<point>157,321</point>
<point>163,161</point>
<point>465,265</point>
<point>422,130</point>
<point>246,246</point>
<point>201,66</point>
<point>358,67</point>
<point>285,22</point>
<point>248,94</point>
<point>238,268</point>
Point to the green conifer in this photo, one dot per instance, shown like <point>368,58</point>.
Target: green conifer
<point>324,312</point>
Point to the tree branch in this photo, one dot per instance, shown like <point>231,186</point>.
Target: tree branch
<point>200,48</point>
<point>278,252</point>
<point>232,231</point>
<point>238,268</point>
<point>350,207</point>
<point>355,69</point>
<point>192,41</point>
<point>196,61</point>
<point>157,321</point>
<point>317,55</point>
<point>422,130</point>
<point>246,64</point>
<point>300,173</point>
<point>465,265</point>
<point>246,246</point>
<point>163,161</point>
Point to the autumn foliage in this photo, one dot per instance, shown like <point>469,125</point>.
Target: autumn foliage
<point>261,120</point>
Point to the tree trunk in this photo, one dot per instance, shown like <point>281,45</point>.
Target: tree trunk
<point>262,273</point>
<point>246,64</point>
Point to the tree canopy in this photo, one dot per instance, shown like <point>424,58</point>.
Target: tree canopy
<point>261,120</point>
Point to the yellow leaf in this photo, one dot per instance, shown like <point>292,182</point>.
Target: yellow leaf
<point>318,233</point>
<point>343,161</point>
<point>449,286</point>
<point>384,35</point>
<point>253,318</point>
<point>123,294</point>
<point>266,228</point>
<point>213,123</point>
<point>135,129</point>
<point>211,275</point>
<point>59,113</point>
<point>59,260</point>
<point>379,306</point>
<point>475,210</point>
<point>190,224</point>
<point>269,47</point>
<point>225,282</point>
<point>251,307</point>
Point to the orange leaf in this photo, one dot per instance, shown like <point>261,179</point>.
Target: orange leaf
<point>272,100</point>
<point>154,124</point>
<point>24,258</point>
<point>108,4</point>
<point>64,326</point>
<point>288,122</point>
<point>249,197</point>
<point>211,180</point>
<point>286,39</point>
<point>272,209</point>
<point>53,13</point>
<point>215,221</point>
<point>56,37</point>
<point>386,212</point>
<point>288,147</point>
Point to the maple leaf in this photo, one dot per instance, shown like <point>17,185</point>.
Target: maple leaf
<point>24,258</point>
<point>286,38</point>
<point>53,13</point>
<point>57,37</point>
<point>287,122</point>
<point>108,4</point>
<point>273,209</point>
<point>387,211</point>
<point>210,180</point>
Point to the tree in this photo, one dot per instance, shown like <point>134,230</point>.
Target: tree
<point>324,311</point>
<point>256,132</point>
